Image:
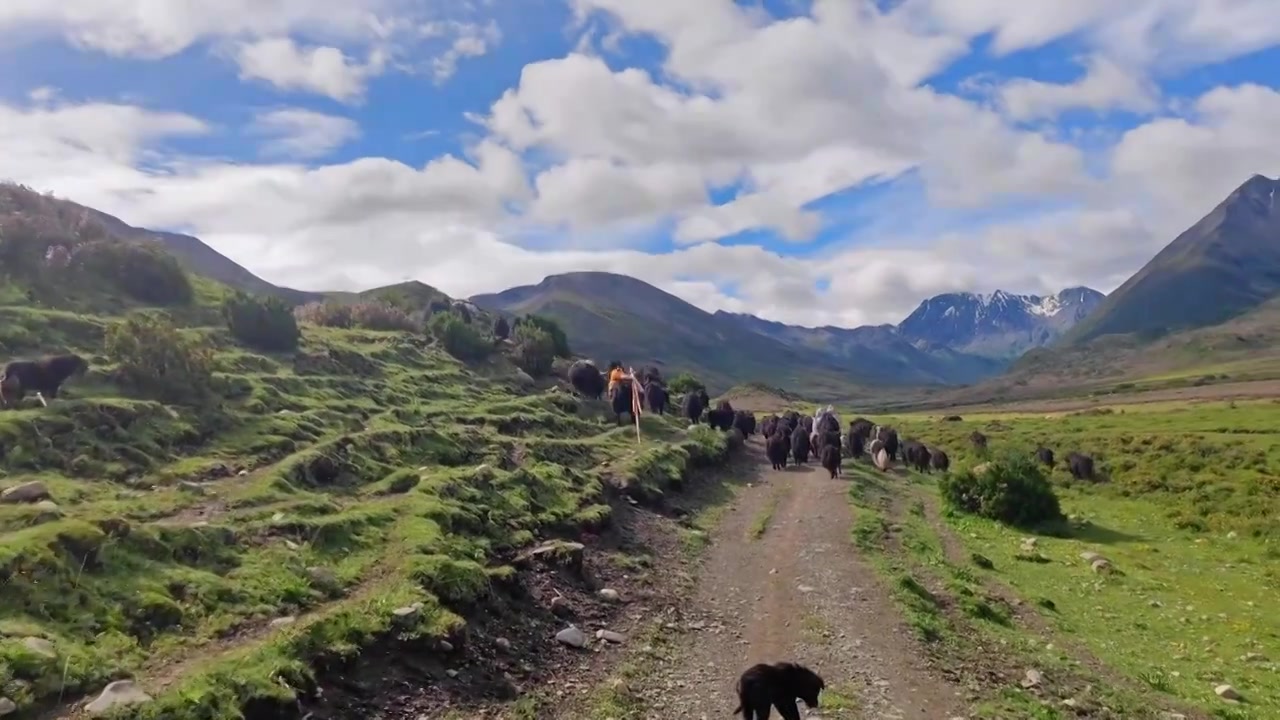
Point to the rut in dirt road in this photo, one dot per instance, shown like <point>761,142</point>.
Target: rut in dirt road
<point>799,592</point>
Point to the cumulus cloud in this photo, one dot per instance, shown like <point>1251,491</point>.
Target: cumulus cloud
<point>303,134</point>
<point>775,114</point>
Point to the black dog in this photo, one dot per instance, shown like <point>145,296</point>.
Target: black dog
<point>777,685</point>
<point>43,376</point>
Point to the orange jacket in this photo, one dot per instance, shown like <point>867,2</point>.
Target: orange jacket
<point>617,375</point>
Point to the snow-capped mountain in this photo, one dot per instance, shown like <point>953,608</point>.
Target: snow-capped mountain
<point>998,325</point>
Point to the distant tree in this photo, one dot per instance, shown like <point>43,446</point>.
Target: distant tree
<point>458,338</point>
<point>264,324</point>
<point>684,383</point>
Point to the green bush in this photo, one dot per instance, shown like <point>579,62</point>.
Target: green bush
<point>159,361</point>
<point>367,315</point>
<point>142,271</point>
<point>684,383</point>
<point>265,324</point>
<point>324,314</point>
<point>458,338</point>
<point>1011,489</point>
<point>535,350</point>
<point>552,328</point>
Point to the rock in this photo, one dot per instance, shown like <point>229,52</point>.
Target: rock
<point>191,487</point>
<point>405,614</point>
<point>115,527</point>
<point>560,606</point>
<point>483,473</point>
<point>503,644</point>
<point>524,378</point>
<point>1101,565</point>
<point>1029,543</point>
<point>27,492</point>
<point>1226,692</point>
<point>1089,556</point>
<point>570,554</point>
<point>609,595</point>
<point>572,636</point>
<point>282,621</point>
<point>49,511</point>
<point>7,706</point>
<point>120,693</point>
<point>451,673</point>
<point>611,636</point>
<point>40,646</point>
<point>277,517</point>
<point>446,646</point>
<point>1032,679</point>
<point>242,473</point>
<point>980,470</point>
<point>323,578</point>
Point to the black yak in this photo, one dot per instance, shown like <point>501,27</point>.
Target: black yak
<point>720,419</point>
<point>692,406</point>
<point>939,460</point>
<point>776,449</point>
<point>587,379</point>
<point>800,446</point>
<point>831,458</point>
<point>724,405</point>
<point>620,402</point>
<point>916,455</point>
<point>857,443</point>
<point>1081,466</point>
<point>44,376</point>
<point>979,442</point>
<point>889,437</point>
<point>656,396</point>
<point>745,421</point>
<point>861,426</point>
<point>763,687</point>
<point>1045,455</point>
<point>769,426</point>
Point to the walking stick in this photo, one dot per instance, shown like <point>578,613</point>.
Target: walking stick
<point>635,402</point>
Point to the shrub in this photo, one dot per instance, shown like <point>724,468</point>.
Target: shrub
<point>143,271</point>
<point>156,359</point>
<point>324,314</point>
<point>501,330</point>
<point>684,383</point>
<point>552,328</point>
<point>262,323</point>
<point>1012,490</point>
<point>535,350</point>
<point>458,338</point>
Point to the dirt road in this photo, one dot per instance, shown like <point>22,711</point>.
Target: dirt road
<point>783,581</point>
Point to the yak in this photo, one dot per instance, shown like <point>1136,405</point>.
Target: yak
<point>1045,455</point>
<point>1080,465</point>
<point>776,448</point>
<point>656,396</point>
<point>831,458</point>
<point>745,421</point>
<point>939,460</point>
<point>44,377</point>
<point>586,379</point>
<point>800,446</point>
<point>763,687</point>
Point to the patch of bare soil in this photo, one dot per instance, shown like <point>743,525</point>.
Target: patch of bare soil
<point>798,592</point>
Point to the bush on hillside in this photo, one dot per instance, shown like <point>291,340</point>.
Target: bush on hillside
<point>367,315</point>
<point>458,338</point>
<point>685,383</point>
<point>1011,489</point>
<point>142,271</point>
<point>535,350</point>
<point>264,324</point>
<point>158,360</point>
<point>558,337</point>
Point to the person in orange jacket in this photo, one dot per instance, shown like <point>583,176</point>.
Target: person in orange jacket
<point>616,376</point>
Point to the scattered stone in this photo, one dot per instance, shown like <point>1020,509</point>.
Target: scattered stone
<point>27,492</point>
<point>1101,565</point>
<point>1089,556</point>
<point>403,484</point>
<point>118,694</point>
<point>572,636</point>
<point>611,636</point>
<point>982,561</point>
<point>40,646</point>
<point>277,517</point>
<point>282,621</point>
<point>115,527</point>
<point>7,706</point>
<point>524,378</point>
<point>1029,543</point>
<point>242,473</point>
<point>503,644</point>
<point>49,511</point>
<point>568,553</point>
<point>1253,657</point>
<point>405,614</point>
<point>1226,692</point>
<point>560,606</point>
<point>323,578</point>
<point>1032,679</point>
<point>451,673</point>
<point>609,595</point>
<point>191,487</point>
<point>446,646</point>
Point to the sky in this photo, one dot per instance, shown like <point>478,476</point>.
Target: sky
<point>809,161</point>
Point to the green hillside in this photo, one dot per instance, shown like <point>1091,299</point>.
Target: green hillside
<point>226,499</point>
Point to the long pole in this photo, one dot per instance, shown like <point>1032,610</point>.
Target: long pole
<point>635,402</point>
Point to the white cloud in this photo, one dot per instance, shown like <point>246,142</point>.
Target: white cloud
<point>789,111</point>
<point>303,134</point>
<point>470,40</point>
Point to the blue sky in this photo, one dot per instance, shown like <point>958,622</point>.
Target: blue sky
<point>961,151</point>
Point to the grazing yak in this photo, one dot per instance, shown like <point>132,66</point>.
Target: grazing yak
<point>745,422</point>
<point>693,405</point>
<point>979,442</point>
<point>777,449</point>
<point>952,418</point>
<point>889,437</point>
<point>44,376</point>
<point>939,460</point>
<point>587,379</point>
<point>861,426</point>
<point>800,447</point>
<point>831,459</point>
<point>1081,466</point>
<point>916,455</point>
<point>720,418</point>
<point>656,396</point>
<point>1045,455</point>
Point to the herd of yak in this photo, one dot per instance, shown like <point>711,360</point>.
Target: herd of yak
<point>794,437</point>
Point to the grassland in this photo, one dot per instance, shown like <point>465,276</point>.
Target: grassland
<point>365,489</point>
<point>1186,513</point>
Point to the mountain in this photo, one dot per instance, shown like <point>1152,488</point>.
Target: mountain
<point>882,346</point>
<point>1226,264</point>
<point>194,255</point>
<point>617,317</point>
<point>1000,325</point>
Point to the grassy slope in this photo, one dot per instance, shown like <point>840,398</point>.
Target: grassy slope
<point>385,476</point>
<point>616,317</point>
<point>1188,517</point>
